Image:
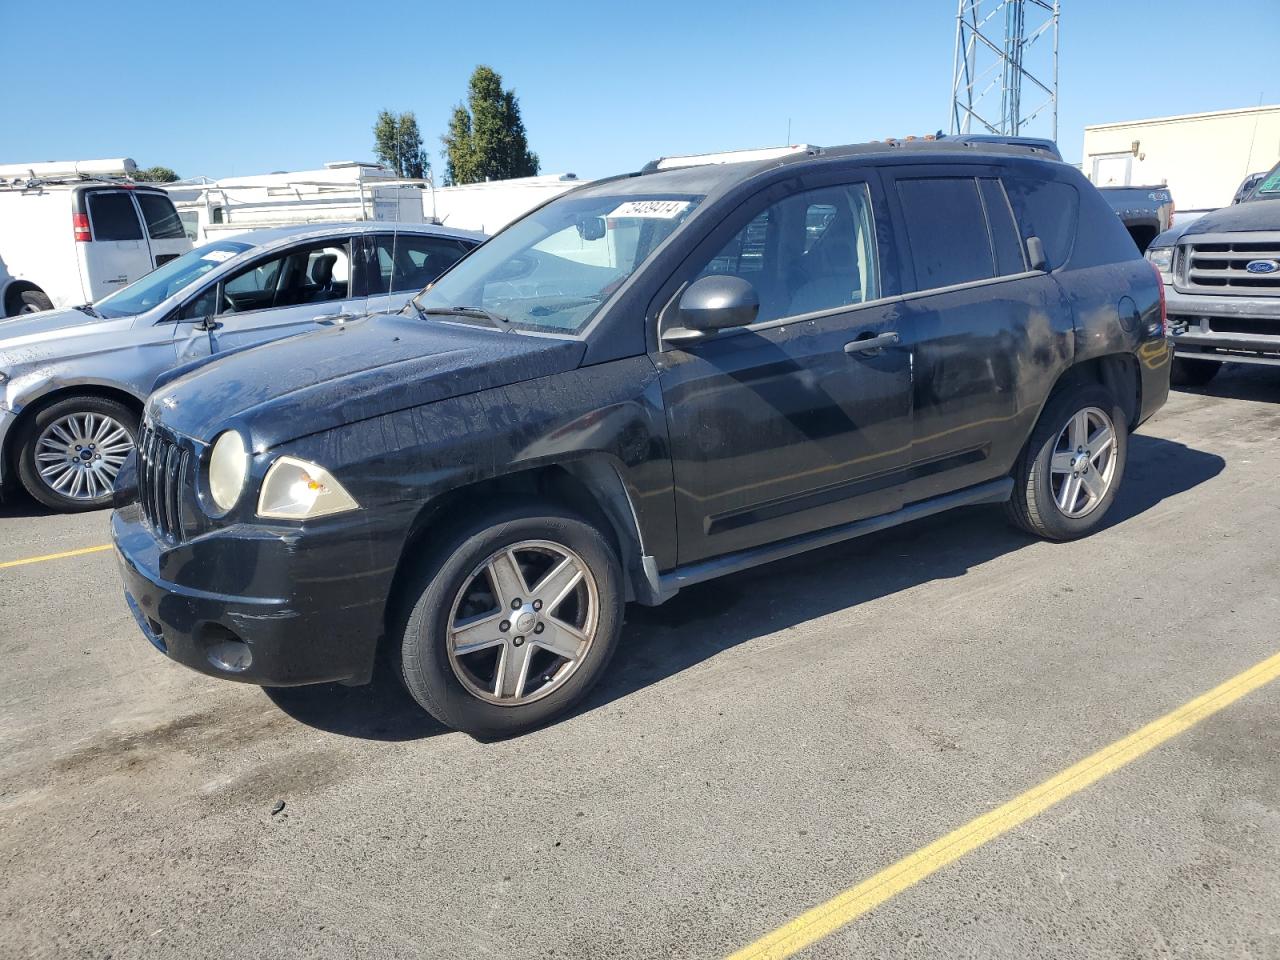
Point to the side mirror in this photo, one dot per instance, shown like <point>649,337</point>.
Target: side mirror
<point>714,303</point>
<point>1035,253</point>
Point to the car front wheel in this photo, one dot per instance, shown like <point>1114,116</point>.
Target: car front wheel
<point>513,622</point>
<point>70,452</point>
<point>1069,475</point>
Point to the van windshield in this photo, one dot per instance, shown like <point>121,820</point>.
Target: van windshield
<point>163,283</point>
<point>551,270</point>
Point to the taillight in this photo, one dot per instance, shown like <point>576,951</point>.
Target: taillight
<point>1173,209</point>
<point>1164,305</point>
<point>80,226</point>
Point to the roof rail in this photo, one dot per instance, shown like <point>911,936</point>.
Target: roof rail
<point>978,139</point>
<point>726,156</point>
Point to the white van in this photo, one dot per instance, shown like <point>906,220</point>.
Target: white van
<point>73,232</point>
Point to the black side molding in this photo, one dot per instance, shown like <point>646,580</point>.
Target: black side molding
<point>995,491</point>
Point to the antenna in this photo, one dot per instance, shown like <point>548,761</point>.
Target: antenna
<point>996,52</point>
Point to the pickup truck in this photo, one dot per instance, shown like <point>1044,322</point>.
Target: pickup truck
<point>1222,281</point>
<point>1146,212</point>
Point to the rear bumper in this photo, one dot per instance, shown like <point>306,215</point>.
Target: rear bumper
<point>304,609</point>
<point>1225,327</point>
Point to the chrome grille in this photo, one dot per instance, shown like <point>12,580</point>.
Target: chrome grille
<point>164,472</point>
<point>1222,264</point>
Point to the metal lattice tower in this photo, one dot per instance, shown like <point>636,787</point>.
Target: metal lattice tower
<point>996,52</point>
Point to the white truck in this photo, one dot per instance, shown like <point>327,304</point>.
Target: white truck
<point>72,232</point>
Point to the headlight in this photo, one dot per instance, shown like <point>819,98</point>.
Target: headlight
<point>1162,257</point>
<point>297,490</point>
<point>228,468</point>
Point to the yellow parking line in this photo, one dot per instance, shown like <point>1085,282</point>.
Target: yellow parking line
<point>56,556</point>
<point>843,909</point>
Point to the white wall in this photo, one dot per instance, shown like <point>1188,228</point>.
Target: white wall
<point>1201,157</point>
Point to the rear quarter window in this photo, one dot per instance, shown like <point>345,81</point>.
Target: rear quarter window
<point>1048,210</point>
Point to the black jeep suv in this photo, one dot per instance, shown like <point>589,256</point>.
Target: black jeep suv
<point>648,382</point>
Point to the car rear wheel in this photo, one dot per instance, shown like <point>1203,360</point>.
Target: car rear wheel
<point>1069,475</point>
<point>514,621</point>
<point>70,452</point>
<point>33,301</point>
<point>1189,372</point>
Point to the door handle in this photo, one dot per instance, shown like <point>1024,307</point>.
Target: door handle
<point>870,344</point>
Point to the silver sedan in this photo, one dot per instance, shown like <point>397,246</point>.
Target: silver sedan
<point>72,382</point>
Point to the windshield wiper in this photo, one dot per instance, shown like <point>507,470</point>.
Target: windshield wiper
<point>477,313</point>
<point>86,308</point>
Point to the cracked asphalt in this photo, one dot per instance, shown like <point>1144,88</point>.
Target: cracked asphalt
<point>762,743</point>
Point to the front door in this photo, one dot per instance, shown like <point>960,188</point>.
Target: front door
<point>786,427</point>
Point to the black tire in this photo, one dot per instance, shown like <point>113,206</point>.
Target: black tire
<point>428,605</point>
<point>33,301</point>
<point>28,437</point>
<point>1189,372</point>
<point>1033,506</point>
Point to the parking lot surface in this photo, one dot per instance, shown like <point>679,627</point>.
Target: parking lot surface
<point>761,744</point>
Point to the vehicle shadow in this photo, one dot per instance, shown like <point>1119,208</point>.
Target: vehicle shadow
<point>704,620</point>
<point>1242,381</point>
<point>659,642</point>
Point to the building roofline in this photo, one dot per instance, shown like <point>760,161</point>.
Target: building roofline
<point>1238,111</point>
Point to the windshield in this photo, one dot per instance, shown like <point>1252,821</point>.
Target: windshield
<point>1269,187</point>
<point>161,284</point>
<point>553,269</point>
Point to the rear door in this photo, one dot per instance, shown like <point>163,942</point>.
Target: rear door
<point>115,252</point>
<point>165,233</point>
<point>785,427</point>
<point>400,264</point>
<point>285,292</point>
<point>985,330</point>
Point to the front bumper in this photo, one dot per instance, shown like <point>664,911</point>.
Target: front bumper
<point>274,606</point>
<point>7,420</point>
<point>1225,327</point>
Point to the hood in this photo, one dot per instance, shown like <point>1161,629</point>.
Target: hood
<point>1250,215</point>
<point>364,368</point>
<point>41,336</point>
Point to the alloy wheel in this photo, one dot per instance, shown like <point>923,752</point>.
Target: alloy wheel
<point>79,455</point>
<point>523,622</point>
<point>1084,462</point>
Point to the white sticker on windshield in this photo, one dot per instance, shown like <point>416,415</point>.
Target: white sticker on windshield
<point>218,256</point>
<point>650,209</point>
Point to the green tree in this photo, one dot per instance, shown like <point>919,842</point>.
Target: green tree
<point>398,144</point>
<point>155,175</point>
<point>486,138</point>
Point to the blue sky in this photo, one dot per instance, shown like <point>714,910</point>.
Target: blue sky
<point>237,88</point>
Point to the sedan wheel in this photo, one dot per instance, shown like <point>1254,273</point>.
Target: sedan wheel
<point>79,455</point>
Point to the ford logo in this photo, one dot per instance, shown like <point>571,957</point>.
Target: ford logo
<point>1262,266</point>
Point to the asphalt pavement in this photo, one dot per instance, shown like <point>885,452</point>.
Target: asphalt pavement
<point>762,743</point>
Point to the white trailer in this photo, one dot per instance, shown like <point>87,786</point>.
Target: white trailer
<point>341,191</point>
<point>488,207</point>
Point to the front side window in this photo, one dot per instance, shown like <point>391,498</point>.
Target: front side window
<point>313,274</point>
<point>553,269</point>
<point>812,251</point>
<point>176,275</point>
<point>408,261</point>
<point>112,215</point>
<point>163,222</point>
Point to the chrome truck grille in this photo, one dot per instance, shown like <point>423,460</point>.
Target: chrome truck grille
<point>1247,265</point>
<point>164,472</point>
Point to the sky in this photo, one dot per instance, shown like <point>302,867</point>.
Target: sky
<point>234,88</point>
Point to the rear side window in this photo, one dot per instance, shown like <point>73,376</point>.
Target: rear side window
<point>163,222</point>
<point>947,231</point>
<point>1047,210</point>
<point>113,216</point>
<point>408,262</point>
